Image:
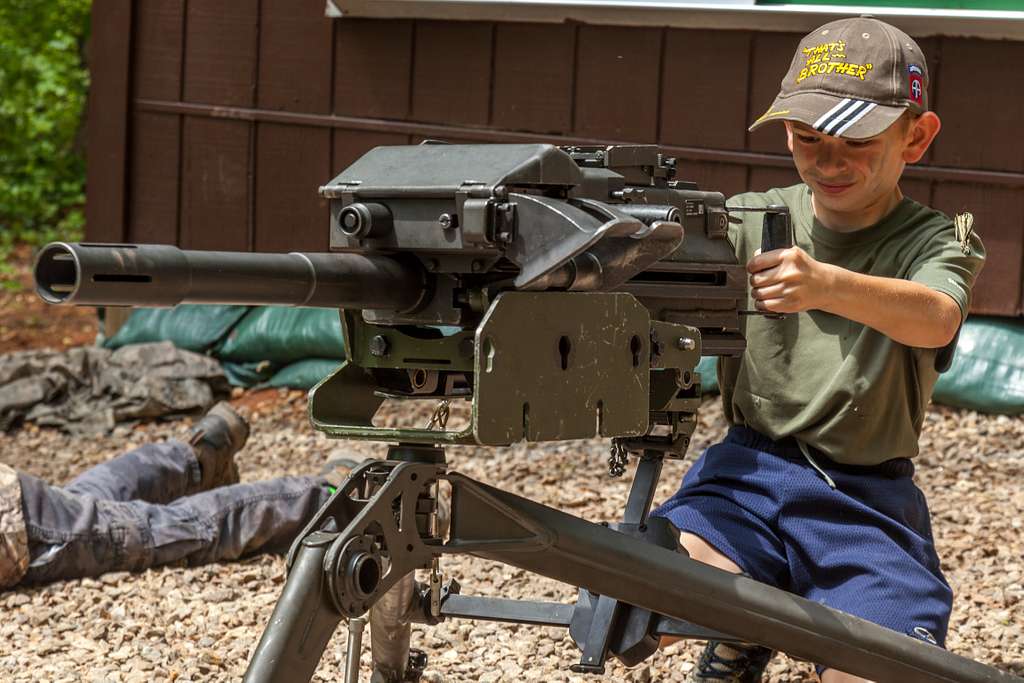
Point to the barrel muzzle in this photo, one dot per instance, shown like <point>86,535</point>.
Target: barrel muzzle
<point>163,275</point>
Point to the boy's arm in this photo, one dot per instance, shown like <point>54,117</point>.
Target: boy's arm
<point>790,281</point>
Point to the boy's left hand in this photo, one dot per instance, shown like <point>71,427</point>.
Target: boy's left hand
<point>787,281</point>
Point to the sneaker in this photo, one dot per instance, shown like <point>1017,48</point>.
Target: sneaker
<point>215,439</point>
<point>732,662</point>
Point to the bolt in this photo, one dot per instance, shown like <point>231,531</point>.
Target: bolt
<point>477,266</point>
<point>686,344</point>
<point>379,346</point>
<point>466,348</point>
<point>448,221</point>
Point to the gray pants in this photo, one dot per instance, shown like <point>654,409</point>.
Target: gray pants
<point>145,508</point>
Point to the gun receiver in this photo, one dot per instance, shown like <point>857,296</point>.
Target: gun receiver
<point>568,293</point>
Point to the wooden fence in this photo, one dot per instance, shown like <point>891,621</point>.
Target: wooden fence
<point>213,122</point>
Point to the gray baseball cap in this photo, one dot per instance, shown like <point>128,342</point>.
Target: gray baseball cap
<point>852,78</point>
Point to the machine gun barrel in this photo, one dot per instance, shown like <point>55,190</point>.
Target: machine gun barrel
<point>163,275</point>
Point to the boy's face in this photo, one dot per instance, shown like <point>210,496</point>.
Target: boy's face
<point>849,176</point>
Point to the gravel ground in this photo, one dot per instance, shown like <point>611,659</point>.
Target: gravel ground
<point>202,623</point>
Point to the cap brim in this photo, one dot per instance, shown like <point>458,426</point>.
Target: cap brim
<point>832,115</point>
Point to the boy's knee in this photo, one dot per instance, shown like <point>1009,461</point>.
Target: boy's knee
<point>833,676</point>
<point>702,551</point>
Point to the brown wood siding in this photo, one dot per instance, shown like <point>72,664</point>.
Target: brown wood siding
<point>156,53</point>
<point>533,77</point>
<point>107,113</point>
<point>617,75</point>
<point>295,56</point>
<point>452,72</point>
<point>696,110</point>
<point>221,55</point>
<point>153,193</point>
<point>290,215</point>
<point>213,123</point>
<point>373,68</point>
<point>215,185</point>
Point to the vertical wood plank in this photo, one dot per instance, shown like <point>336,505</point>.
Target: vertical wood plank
<point>215,191</point>
<point>295,56</point>
<point>349,145</point>
<point>107,107</point>
<point>617,75</point>
<point>292,162</point>
<point>999,221</point>
<point>764,178</point>
<point>703,98</point>
<point>981,106</point>
<point>373,65</point>
<point>729,179</point>
<point>156,49</point>
<point>932,49</point>
<point>220,58</point>
<point>452,72</point>
<point>918,189</point>
<point>771,57</point>
<point>533,66</point>
<point>153,201</point>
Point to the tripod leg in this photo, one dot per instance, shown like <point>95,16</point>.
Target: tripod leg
<point>355,647</point>
<point>391,632</point>
<point>303,620</point>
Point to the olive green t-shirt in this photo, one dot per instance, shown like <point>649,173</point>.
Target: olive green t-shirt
<point>837,385</point>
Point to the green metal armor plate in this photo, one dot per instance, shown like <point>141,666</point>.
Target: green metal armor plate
<point>561,365</point>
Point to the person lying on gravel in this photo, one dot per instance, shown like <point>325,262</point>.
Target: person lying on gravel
<point>160,503</point>
<point>812,489</point>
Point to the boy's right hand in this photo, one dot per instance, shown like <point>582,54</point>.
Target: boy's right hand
<point>788,281</point>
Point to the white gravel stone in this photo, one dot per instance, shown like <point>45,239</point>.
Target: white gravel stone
<point>201,623</point>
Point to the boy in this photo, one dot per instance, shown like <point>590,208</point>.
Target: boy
<point>812,490</point>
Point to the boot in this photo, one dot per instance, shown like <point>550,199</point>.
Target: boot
<point>215,439</point>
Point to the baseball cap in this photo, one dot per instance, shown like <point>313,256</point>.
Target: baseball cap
<point>852,78</point>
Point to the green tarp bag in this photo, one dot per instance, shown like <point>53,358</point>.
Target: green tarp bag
<point>987,374</point>
<point>708,369</point>
<point>193,327</point>
<point>248,374</point>
<point>283,335</point>
<point>304,374</point>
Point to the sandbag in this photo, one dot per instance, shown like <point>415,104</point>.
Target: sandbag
<point>708,369</point>
<point>248,374</point>
<point>987,374</point>
<point>304,374</point>
<point>193,327</point>
<point>284,334</point>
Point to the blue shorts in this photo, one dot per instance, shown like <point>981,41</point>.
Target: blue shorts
<point>864,547</point>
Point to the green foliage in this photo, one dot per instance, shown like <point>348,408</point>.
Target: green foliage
<point>43,85</point>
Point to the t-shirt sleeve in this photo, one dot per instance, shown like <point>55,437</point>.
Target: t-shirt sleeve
<point>942,266</point>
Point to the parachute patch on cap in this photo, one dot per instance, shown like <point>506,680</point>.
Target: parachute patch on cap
<point>915,84</point>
